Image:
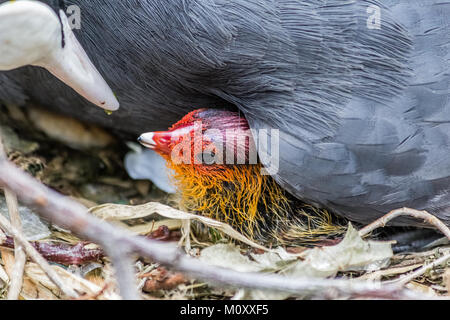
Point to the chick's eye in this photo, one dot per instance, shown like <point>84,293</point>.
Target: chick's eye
<point>206,157</point>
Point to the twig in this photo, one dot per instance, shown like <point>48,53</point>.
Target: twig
<point>388,272</point>
<point>36,257</point>
<point>94,296</point>
<point>446,278</point>
<point>71,215</point>
<point>20,258</point>
<point>124,268</point>
<point>427,217</point>
<point>409,277</point>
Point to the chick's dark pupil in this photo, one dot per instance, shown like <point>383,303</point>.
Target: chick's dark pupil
<point>206,157</point>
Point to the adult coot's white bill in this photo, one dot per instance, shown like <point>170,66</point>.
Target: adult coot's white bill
<point>31,33</point>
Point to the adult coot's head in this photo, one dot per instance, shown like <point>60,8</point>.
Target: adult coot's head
<point>31,33</point>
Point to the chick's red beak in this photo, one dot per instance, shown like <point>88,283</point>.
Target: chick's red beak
<point>163,141</point>
<point>158,141</point>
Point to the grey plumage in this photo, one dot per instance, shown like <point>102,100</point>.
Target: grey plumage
<point>364,113</point>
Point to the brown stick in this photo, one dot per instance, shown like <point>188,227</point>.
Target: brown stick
<point>72,215</point>
<point>80,253</point>
<point>62,253</point>
<point>36,257</point>
<point>427,217</point>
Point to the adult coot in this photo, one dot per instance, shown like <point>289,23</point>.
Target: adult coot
<point>358,89</point>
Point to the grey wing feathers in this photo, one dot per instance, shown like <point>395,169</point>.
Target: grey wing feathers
<point>391,147</point>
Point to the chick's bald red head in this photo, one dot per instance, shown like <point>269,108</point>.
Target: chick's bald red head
<point>207,138</point>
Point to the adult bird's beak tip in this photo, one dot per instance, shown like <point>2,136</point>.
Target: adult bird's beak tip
<point>74,68</point>
<point>72,65</point>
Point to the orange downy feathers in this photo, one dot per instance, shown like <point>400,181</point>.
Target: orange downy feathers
<point>251,203</point>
